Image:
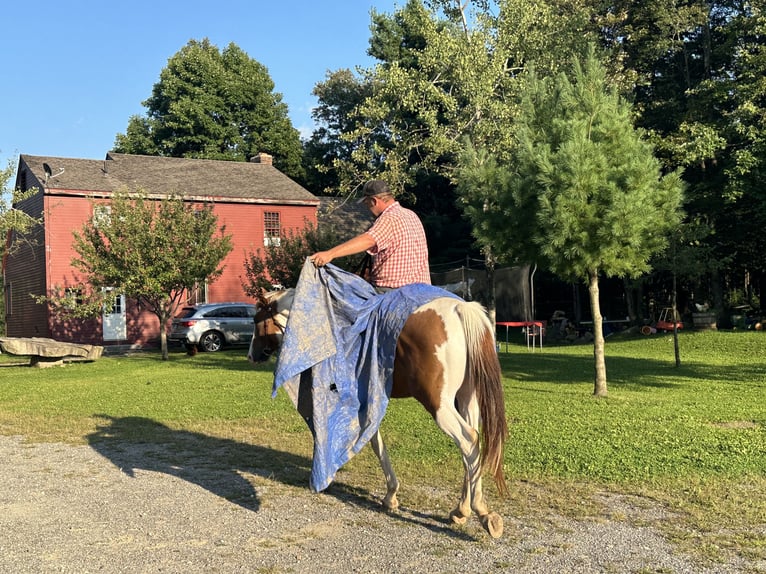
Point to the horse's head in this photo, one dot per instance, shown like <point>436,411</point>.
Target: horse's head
<point>269,325</point>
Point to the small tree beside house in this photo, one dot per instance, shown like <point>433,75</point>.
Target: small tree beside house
<point>153,251</point>
<point>281,262</point>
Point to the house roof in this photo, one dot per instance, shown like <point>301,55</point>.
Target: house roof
<point>246,182</point>
<point>347,217</point>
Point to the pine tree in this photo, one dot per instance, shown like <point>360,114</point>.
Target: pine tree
<point>583,192</point>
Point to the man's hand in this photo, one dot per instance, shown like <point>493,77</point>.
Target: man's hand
<point>321,258</point>
<point>353,246</point>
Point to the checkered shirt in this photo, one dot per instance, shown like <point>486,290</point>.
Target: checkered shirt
<point>400,255</point>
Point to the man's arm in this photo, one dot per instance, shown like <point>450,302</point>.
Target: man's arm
<point>353,246</point>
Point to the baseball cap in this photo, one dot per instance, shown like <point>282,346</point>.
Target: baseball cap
<point>374,187</point>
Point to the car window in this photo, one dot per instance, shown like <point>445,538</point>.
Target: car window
<point>217,312</point>
<point>229,311</point>
<point>239,312</point>
<point>186,312</point>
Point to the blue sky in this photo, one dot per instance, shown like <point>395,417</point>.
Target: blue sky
<point>75,71</point>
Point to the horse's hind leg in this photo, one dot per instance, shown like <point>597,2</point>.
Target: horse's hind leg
<point>492,522</point>
<point>392,484</point>
<point>466,437</point>
<point>467,440</point>
<point>450,423</point>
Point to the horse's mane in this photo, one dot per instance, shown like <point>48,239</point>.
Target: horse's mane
<point>282,300</point>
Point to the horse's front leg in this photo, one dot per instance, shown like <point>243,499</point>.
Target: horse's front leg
<point>392,484</point>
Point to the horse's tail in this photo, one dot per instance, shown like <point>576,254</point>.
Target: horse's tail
<point>485,377</point>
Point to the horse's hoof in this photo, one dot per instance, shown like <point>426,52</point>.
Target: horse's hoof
<point>493,523</point>
<point>457,517</point>
<point>390,503</point>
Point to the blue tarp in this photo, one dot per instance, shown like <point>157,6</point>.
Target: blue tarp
<point>337,359</point>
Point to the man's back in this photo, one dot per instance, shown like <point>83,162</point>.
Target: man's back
<point>400,255</point>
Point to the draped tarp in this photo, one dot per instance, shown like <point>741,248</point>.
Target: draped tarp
<point>337,359</point>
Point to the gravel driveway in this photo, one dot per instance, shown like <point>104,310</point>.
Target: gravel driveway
<point>140,508</point>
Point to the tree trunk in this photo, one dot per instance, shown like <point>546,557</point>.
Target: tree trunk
<point>675,322</point>
<point>163,317</point>
<point>599,388</point>
<point>489,263</point>
<point>164,344</point>
<point>631,299</point>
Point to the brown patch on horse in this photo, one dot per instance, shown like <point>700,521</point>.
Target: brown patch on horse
<point>417,370</point>
<point>266,333</point>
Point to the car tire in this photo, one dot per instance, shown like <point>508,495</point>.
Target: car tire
<point>211,341</point>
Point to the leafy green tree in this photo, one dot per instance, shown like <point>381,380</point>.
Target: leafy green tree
<point>583,195</point>
<point>153,251</point>
<point>281,263</point>
<point>445,70</point>
<point>214,104</point>
<point>13,221</point>
<point>698,67</point>
<point>338,97</point>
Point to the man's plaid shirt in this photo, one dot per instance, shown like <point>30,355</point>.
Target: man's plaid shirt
<point>400,256</point>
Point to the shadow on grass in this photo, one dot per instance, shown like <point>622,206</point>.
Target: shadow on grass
<point>218,465</point>
<point>230,358</point>
<point>561,368</point>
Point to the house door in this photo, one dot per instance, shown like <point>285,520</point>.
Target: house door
<point>114,323</point>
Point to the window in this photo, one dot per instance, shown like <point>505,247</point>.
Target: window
<point>271,228</point>
<point>197,294</point>
<point>226,312</point>
<point>117,306</point>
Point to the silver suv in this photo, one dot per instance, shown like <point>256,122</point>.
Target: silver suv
<point>211,326</point>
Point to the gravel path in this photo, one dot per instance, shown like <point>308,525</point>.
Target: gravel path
<point>82,509</point>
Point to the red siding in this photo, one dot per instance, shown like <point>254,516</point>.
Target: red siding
<point>245,224</point>
<point>26,278</point>
<point>65,214</point>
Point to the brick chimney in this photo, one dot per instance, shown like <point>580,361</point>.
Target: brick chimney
<point>261,158</point>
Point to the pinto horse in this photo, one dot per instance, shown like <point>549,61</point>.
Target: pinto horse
<point>447,360</point>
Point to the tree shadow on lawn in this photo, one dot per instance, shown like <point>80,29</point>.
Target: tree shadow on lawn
<point>229,358</point>
<point>550,367</point>
<point>218,465</point>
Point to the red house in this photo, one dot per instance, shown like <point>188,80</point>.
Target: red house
<point>254,200</point>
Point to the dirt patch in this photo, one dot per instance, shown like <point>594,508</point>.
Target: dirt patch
<point>150,508</point>
<point>737,425</point>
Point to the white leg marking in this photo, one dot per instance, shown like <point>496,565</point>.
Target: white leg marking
<point>392,484</point>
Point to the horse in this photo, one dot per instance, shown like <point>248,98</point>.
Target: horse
<point>447,360</point>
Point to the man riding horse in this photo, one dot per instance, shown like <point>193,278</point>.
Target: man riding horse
<point>396,242</point>
<point>349,346</point>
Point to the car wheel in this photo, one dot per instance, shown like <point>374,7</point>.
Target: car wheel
<point>211,341</point>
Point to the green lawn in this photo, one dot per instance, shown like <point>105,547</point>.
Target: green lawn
<point>692,438</point>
